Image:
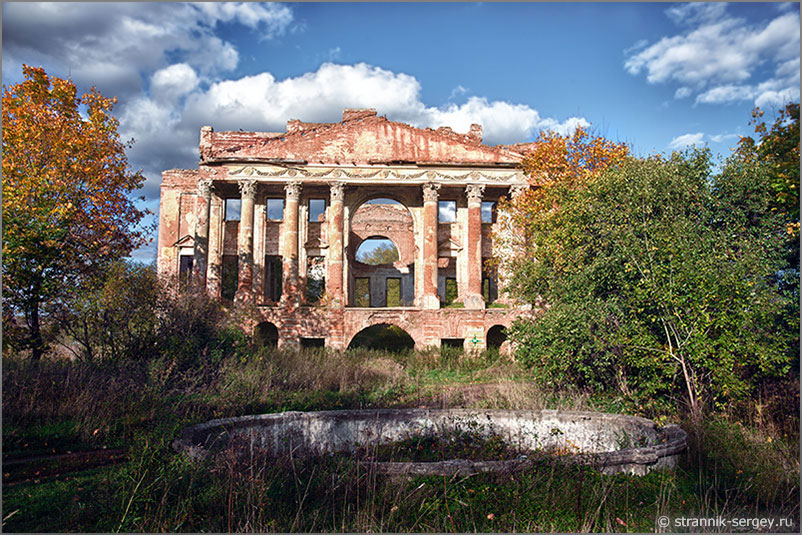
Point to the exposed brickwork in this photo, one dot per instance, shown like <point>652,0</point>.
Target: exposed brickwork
<point>362,138</point>
<point>363,157</point>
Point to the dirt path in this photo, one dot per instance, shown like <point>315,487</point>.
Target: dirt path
<point>42,467</point>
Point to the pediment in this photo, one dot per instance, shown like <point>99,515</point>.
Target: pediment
<point>369,140</point>
<point>448,248</point>
<point>185,241</point>
<point>316,243</point>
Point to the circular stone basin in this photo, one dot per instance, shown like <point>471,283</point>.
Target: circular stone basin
<point>610,442</point>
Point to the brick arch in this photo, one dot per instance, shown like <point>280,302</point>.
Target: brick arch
<point>495,333</point>
<point>361,240</point>
<point>389,221</point>
<point>403,196</point>
<point>395,322</point>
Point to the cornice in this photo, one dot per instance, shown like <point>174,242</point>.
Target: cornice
<point>356,175</point>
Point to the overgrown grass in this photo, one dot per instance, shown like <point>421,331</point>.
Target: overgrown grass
<point>735,466</point>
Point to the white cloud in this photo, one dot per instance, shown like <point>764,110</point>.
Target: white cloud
<point>719,55</point>
<point>275,18</point>
<point>501,121</point>
<point>173,82</point>
<point>719,138</point>
<point>110,44</point>
<point>682,92</point>
<point>775,99</point>
<point>726,94</point>
<point>260,102</point>
<point>457,91</point>
<point>686,140</point>
<point>696,12</point>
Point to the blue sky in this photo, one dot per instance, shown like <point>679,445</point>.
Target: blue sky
<point>660,76</point>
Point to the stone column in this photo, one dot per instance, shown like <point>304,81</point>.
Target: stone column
<point>203,204</point>
<point>334,275</point>
<point>510,245</point>
<point>430,299</point>
<point>473,241</point>
<point>290,296</point>
<point>247,189</point>
<point>214,268</point>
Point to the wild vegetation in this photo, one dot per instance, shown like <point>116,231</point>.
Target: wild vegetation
<point>664,279</point>
<point>138,406</point>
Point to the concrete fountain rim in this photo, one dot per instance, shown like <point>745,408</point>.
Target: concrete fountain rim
<point>671,440</point>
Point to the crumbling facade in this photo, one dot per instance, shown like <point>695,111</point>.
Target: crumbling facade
<point>276,219</point>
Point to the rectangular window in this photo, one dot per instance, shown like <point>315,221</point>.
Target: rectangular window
<point>317,210</point>
<point>451,291</point>
<point>488,212</point>
<point>451,349</point>
<point>273,278</point>
<point>315,278</point>
<point>362,292</point>
<point>489,281</point>
<point>393,289</point>
<point>185,269</point>
<point>275,209</point>
<point>312,343</point>
<point>447,211</point>
<point>230,276</point>
<point>232,209</point>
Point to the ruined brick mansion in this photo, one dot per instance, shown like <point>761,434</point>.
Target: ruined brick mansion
<point>276,220</point>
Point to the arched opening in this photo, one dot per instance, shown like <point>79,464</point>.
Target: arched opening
<point>266,335</point>
<point>381,255</point>
<point>496,335</point>
<point>383,336</point>
<point>377,251</point>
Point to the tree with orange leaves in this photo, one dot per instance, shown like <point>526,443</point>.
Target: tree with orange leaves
<point>552,160</point>
<point>67,210</point>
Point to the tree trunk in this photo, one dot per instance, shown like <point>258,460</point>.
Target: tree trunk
<point>37,347</point>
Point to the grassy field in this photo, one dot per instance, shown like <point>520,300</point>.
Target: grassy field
<point>126,414</point>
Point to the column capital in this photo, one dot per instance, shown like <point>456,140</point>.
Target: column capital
<point>475,192</point>
<point>431,191</point>
<point>293,190</point>
<point>247,188</point>
<point>205,187</point>
<point>337,190</point>
<point>518,190</point>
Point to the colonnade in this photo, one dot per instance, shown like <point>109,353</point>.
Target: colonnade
<point>207,266</point>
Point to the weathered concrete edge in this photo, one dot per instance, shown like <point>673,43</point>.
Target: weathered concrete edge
<point>634,460</point>
<point>627,460</point>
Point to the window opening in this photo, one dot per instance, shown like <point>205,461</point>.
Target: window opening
<point>185,269</point>
<point>362,292</point>
<point>447,211</point>
<point>377,251</point>
<point>275,209</point>
<point>232,209</point>
<point>488,212</point>
<point>315,278</point>
<point>317,210</point>
<point>230,276</point>
<point>273,278</point>
<point>451,291</point>
<point>393,291</point>
<point>308,343</point>
<point>266,335</point>
<point>489,281</point>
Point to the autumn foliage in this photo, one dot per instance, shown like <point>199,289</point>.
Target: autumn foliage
<point>552,160</point>
<point>67,210</point>
<point>778,147</point>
